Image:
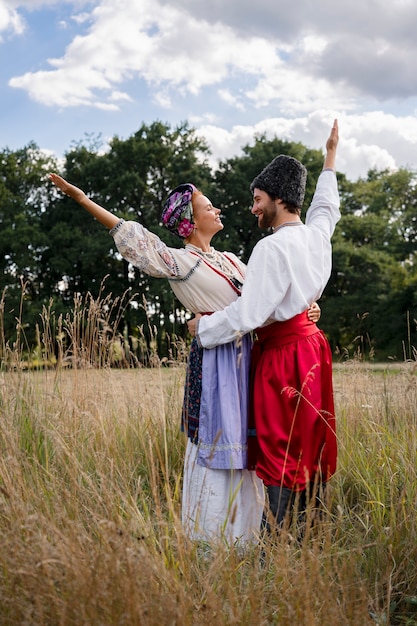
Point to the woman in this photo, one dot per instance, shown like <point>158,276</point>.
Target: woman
<point>221,497</point>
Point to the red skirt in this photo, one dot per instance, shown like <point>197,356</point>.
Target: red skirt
<point>292,404</point>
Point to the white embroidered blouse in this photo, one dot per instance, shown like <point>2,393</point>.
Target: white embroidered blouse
<point>202,281</point>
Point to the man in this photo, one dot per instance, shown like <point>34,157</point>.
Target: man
<point>292,395</point>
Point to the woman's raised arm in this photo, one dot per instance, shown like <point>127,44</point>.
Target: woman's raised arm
<point>100,213</point>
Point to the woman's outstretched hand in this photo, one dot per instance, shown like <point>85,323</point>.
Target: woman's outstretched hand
<point>100,213</point>
<point>70,190</point>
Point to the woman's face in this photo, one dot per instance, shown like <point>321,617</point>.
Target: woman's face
<point>206,216</point>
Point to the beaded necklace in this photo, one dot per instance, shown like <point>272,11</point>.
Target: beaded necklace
<point>215,260</point>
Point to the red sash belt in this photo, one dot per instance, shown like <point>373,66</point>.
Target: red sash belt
<point>280,333</point>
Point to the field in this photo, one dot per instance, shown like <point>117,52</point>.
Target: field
<point>90,496</point>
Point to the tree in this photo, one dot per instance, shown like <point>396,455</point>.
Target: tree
<point>22,240</point>
<point>49,245</point>
<point>132,179</point>
<point>368,293</point>
<point>360,307</point>
<point>391,197</point>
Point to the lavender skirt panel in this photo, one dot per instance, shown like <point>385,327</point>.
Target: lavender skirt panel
<point>223,419</point>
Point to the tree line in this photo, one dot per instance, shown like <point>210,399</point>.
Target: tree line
<point>53,252</point>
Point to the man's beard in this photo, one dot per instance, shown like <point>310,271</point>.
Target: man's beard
<point>266,221</point>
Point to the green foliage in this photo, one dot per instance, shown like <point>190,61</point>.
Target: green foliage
<point>365,282</point>
<point>23,202</point>
<point>50,248</point>
<point>62,253</point>
<point>369,299</point>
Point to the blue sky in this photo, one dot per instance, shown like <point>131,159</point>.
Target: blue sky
<point>73,69</point>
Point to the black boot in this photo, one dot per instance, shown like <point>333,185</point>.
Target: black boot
<point>280,501</point>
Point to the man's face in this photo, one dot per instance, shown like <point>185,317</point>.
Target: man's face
<point>264,208</point>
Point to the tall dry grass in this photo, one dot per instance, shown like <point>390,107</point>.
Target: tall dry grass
<point>90,498</point>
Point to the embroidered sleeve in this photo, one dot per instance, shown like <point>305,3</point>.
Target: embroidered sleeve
<point>144,249</point>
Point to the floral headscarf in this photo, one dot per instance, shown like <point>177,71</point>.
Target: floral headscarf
<point>177,213</point>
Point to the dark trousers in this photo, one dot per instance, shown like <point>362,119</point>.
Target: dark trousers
<point>283,502</point>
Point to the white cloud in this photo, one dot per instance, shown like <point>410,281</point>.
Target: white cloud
<point>207,118</point>
<point>239,68</point>
<point>10,21</point>
<point>119,96</point>
<point>81,18</point>
<point>230,98</point>
<point>361,139</point>
<point>181,49</point>
<point>173,52</point>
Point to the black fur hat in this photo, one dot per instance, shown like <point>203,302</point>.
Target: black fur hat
<point>284,178</point>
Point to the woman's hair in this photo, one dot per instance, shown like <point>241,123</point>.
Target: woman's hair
<point>195,193</point>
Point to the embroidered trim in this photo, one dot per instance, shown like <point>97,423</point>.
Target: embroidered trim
<point>116,228</point>
<point>182,279</point>
<point>235,284</point>
<point>223,447</point>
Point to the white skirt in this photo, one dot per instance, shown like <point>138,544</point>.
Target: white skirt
<point>220,504</point>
